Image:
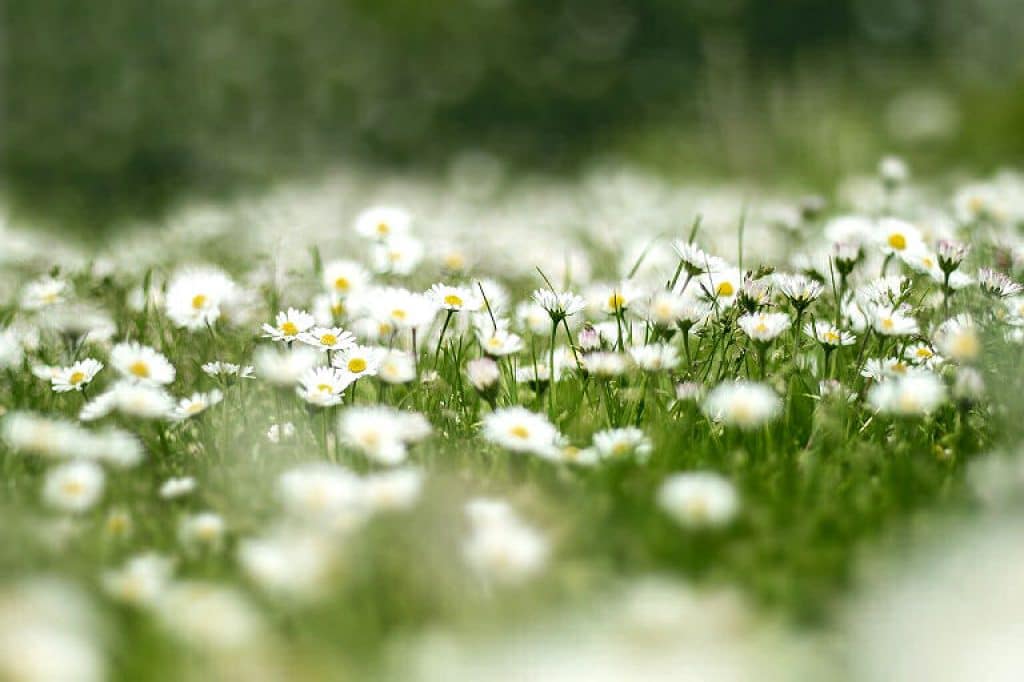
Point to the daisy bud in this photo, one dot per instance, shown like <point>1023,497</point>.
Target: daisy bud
<point>951,255</point>
<point>846,255</point>
<point>483,374</point>
<point>589,339</point>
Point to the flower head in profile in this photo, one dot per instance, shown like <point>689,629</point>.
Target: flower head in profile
<point>655,357</point>
<point>76,377</point>
<point>695,260</point>
<point>559,304</point>
<point>141,364</point>
<point>499,342</point>
<point>288,325</point>
<point>800,290</point>
<point>621,443</point>
<point>218,369</point>
<point>998,284</point>
<point>743,404</point>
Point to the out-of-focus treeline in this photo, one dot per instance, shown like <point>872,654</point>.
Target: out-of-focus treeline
<point>114,110</point>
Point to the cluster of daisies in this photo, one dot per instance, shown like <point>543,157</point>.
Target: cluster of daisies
<point>366,374</point>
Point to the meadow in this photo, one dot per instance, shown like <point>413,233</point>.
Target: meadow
<point>468,427</point>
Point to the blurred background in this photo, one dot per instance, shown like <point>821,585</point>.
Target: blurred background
<point>116,111</point>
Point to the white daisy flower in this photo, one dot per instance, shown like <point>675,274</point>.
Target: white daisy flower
<point>699,499</point>
<point>721,286</point>
<point>400,308</point>
<point>197,403</point>
<point>327,338</point>
<point>73,487</point>
<point>43,293</point>
<point>141,363</point>
<point>382,222</point>
<point>957,338</point>
<point>997,284</point>
<point>502,548</point>
<point>359,361</point>
<point>131,399</point>
<point>392,490</point>
<point>396,367</point>
<point>76,377</point>
<point>800,290</point>
<point>344,277</point>
<point>499,342</point>
<point>326,495</point>
<point>620,443</point>
<point>915,393</point>
<point>397,255</point>
<point>655,357</point>
<point>288,325</point>
<point>141,580</point>
<point>323,386</point>
<point>195,296</point>
<point>763,327</point>
<point>743,404</point>
<point>696,260</point>
<point>606,364</point>
<point>828,335</point>
<point>519,430</point>
<point>892,321</point>
<point>456,299</point>
<point>283,367</point>
<point>228,369</point>
<point>204,530</point>
<point>895,235</point>
<point>174,488</point>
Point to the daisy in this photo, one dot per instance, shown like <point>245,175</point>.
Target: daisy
<point>398,255</point>
<point>800,290</point>
<point>483,374</point>
<point>883,368</point>
<point>500,342</point>
<point>502,548</point>
<point>328,308</point>
<point>141,580</point>
<point>381,222</point>
<point>396,367</point>
<point>655,357</point>
<point>922,354</point>
<point>763,327</point>
<point>895,235</point>
<point>73,487</point>
<point>288,325</point>
<point>620,443</point>
<point>359,361</point>
<point>997,284</point>
<point>393,490</point>
<point>519,430</point>
<point>323,494</point>
<point>283,367</point>
<point>558,305</point>
<point>755,294</point>
<point>699,499</point>
<point>696,260</point>
<point>828,335</point>
<point>381,433</point>
<point>204,530</point>
<point>197,403</point>
<point>174,488</point>
<point>619,297</point>
<point>454,299</point>
<point>327,338</point>
<point>664,308</point>
<point>48,372</point>
<point>228,369</point>
<point>951,254</point>
<point>743,404</point>
<point>401,308</point>
<point>957,338</point>
<point>76,377</point>
<point>43,293</point>
<point>130,398</point>
<point>141,363</point>
<point>344,277</point>
<point>605,364</point>
<point>323,386</point>
<point>194,297</point>
<point>721,287</point>
<point>892,321</point>
<point>914,393</point>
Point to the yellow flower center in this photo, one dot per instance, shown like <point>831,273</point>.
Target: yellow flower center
<point>324,388</point>
<point>761,327</point>
<point>519,431</point>
<point>454,261</point>
<point>924,353</point>
<point>616,301</point>
<point>342,284</point>
<point>328,339</point>
<point>831,337</point>
<point>383,228</point>
<point>399,314</point>
<point>897,241</point>
<point>198,301</point>
<point>76,377</point>
<point>357,365</point>
<point>452,299</point>
<point>620,448</point>
<point>73,488</point>
<point>195,408</point>
<point>139,369</point>
<point>494,342</point>
<point>725,289</point>
<point>888,323</point>
<point>337,308</point>
<point>288,328</point>
<point>394,256</point>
